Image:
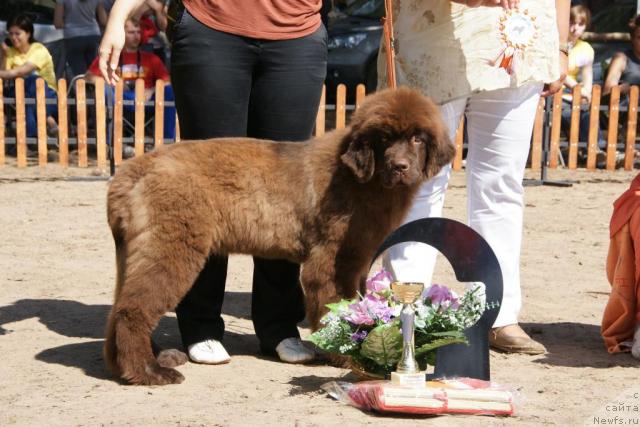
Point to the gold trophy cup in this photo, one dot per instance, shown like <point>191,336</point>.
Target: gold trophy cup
<point>408,372</point>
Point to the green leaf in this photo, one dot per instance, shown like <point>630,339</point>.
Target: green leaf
<point>383,345</point>
<point>439,343</point>
<point>450,334</point>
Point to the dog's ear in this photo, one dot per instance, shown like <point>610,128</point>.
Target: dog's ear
<point>360,159</point>
<point>440,152</point>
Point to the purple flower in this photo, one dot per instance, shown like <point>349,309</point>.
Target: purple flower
<point>380,281</point>
<point>441,296</point>
<point>368,310</point>
<point>359,336</point>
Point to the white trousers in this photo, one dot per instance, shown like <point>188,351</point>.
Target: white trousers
<point>499,126</point>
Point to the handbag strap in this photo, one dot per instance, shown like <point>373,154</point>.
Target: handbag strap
<point>389,43</point>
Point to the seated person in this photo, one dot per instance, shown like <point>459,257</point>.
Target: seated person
<point>137,64</point>
<point>620,322</point>
<point>625,66</point>
<point>579,71</point>
<point>29,59</point>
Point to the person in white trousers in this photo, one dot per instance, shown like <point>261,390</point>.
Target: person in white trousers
<point>499,126</point>
<point>500,117</point>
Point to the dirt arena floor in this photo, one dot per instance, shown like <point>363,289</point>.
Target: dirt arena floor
<point>57,278</point>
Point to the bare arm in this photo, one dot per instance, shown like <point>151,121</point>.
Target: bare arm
<point>618,64</point>
<point>587,81</point>
<point>58,16</point>
<point>562,21</point>
<point>21,71</point>
<point>161,17</point>
<point>3,55</point>
<point>113,38</point>
<point>90,78</point>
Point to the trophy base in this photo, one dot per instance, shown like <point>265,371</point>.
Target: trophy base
<point>417,379</point>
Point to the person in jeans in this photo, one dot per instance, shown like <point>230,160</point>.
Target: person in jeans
<point>30,60</point>
<point>580,71</point>
<point>80,19</point>
<point>241,69</point>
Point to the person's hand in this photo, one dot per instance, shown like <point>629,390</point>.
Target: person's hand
<point>4,47</point>
<point>109,51</point>
<point>553,87</point>
<point>585,95</point>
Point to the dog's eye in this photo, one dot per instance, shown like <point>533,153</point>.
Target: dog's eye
<point>417,140</point>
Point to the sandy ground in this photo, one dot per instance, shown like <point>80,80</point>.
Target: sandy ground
<point>57,277</point>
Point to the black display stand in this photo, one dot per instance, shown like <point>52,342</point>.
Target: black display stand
<point>472,260</point>
<point>546,148</point>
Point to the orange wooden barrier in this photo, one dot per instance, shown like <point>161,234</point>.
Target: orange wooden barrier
<point>536,143</point>
<point>101,125</point>
<point>21,124</point>
<point>81,112</point>
<point>341,106</point>
<point>360,94</point>
<point>320,118</point>
<point>63,128</point>
<point>139,121</point>
<point>594,112</point>
<point>459,142</point>
<point>556,124</point>
<point>41,117</point>
<point>177,129</point>
<point>574,133</point>
<point>159,114</point>
<point>117,123</point>
<point>632,122</point>
<point>613,108</point>
<point>612,136</point>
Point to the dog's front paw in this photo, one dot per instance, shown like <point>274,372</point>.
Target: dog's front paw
<point>155,374</point>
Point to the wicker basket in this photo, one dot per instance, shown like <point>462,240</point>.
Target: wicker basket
<point>363,375</point>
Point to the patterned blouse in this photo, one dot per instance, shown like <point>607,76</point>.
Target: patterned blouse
<point>446,49</point>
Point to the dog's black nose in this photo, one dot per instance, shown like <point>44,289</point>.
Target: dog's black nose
<point>401,166</point>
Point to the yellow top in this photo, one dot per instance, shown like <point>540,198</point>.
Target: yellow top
<point>448,50</point>
<point>39,56</point>
<point>581,54</point>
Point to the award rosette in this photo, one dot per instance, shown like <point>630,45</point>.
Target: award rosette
<point>518,30</point>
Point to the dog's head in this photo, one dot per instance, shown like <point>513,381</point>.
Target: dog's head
<point>397,136</point>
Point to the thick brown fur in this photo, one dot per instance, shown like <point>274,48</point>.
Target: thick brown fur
<point>327,203</point>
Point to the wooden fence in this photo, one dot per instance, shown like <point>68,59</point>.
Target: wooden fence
<point>82,140</point>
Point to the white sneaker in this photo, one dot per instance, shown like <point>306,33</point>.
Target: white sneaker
<point>209,351</point>
<point>635,348</point>
<point>292,350</point>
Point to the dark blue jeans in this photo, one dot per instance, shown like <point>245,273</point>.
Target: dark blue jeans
<point>227,85</point>
<point>80,52</point>
<point>30,109</point>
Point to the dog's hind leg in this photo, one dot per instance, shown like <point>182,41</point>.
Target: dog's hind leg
<point>153,284</point>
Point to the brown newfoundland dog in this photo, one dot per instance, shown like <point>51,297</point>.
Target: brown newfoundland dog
<point>327,203</point>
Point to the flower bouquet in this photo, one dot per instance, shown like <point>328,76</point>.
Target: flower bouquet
<point>367,328</point>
